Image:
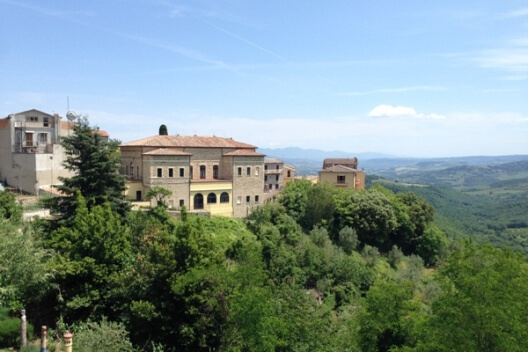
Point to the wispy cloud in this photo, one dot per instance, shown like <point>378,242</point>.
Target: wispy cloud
<point>384,110</point>
<point>393,90</point>
<point>516,13</point>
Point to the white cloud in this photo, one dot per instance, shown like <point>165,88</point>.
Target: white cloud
<point>384,110</point>
<point>516,13</point>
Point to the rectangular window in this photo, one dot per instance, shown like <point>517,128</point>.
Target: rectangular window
<point>276,177</point>
<point>265,167</point>
<point>182,202</point>
<point>248,171</point>
<point>289,173</point>
<point>257,171</point>
<point>29,139</point>
<point>341,179</point>
<point>239,171</point>
<point>215,172</point>
<point>277,186</point>
<point>256,199</point>
<point>43,137</point>
<point>160,172</point>
<point>248,199</point>
<point>277,166</point>
<point>239,200</point>
<point>265,177</point>
<point>46,122</point>
<point>182,171</point>
<point>202,172</point>
<point>171,172</point>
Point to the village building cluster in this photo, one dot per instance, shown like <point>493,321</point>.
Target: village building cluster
<point>206,174</point>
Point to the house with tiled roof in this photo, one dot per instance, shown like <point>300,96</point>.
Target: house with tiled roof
<point>342,172</point>
<point>206,174</point>
<point>30,152</point>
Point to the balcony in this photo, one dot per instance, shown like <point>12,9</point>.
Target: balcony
<point>35,148</point>
<point>273,171</point>
<point>26,124</point>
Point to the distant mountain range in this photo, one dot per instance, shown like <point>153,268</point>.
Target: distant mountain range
<point>310,161</point>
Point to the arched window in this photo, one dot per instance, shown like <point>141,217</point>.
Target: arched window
<point>198,201</point>
<point>224,197</point>
<point>211,198</point>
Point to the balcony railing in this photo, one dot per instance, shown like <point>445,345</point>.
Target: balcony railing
<point>26,124</point>
<point>273,171</point>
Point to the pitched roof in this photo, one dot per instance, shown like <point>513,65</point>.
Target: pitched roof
<point>244,152</point>
<point>339,168</point>
<point>166,151</point>
<point>342,161</point>
<point>30,110</point>
<point>188,141</point>
<point>69,125</point>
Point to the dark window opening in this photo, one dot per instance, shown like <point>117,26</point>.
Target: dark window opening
<point>239,171</point>
<point>224,197</point>
<point>248,171</point>
<point>341,179</point>
<point>198,201</point>
<point>160,172</point>
<point>211,198</point>
<point>182,171</point>
<point>215,172</point>
<point>202,171</point>
<point>248,199</point>
<point>171,172</point>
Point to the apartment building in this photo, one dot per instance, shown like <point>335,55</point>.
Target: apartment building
<point>207,174</point>
<point>342,172</point>
<point>30,152</point>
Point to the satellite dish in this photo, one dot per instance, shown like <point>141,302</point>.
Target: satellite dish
<point>70,115</point>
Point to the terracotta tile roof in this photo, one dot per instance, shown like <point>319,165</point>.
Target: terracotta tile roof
<point>273,161</point>
<point>4,123</point>
<point>339,168</point>
<point>188,141</point>
<point>166,151</point>
<point>102,133</point>
<point>286,166</point>
<point>244,152</point>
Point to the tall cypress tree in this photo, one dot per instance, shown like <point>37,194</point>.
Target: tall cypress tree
<point>95,162</point>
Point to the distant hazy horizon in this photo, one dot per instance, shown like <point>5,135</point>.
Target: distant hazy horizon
<point>412,79</point>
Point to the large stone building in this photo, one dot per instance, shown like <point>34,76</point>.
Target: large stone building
<point>342,172</point>
<point>30,152</point>
<point>276,174</point>
<point>214,175</point>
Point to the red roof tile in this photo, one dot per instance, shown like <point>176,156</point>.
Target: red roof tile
<point>166,151</point>
<point>244,152</point>
<point>188,141</point>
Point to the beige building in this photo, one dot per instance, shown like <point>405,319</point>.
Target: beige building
<point>342,172</point>
<point>214,175</point>
<point>276,174</point>
<point>30,152</point>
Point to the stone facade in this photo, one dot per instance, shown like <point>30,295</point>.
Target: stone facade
<point>214,175</point>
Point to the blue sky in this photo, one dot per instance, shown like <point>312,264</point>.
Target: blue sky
<point>407,78</point>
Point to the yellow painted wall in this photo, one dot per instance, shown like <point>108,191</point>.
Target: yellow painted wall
<point>331,178</point>
<point>223,209</point>
<point>131,188</point>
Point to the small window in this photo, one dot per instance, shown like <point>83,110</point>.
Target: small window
<point>202,172</point>
<point>192,173</point>
<point>160,172</point>
<point>277,186</point>
<point>239,200</point>
<point>277,166</point>
<point>239,171</point>
<point>198,201</point>
<point>248,171</point>
<point>265,167</point>
<point>224,197</point>
<point>256,199</point>
<point>182,172</point>
<point>248,199</point>
<point>182,203</point>
<point>276,177</point>
<point>171,172</point>
<point>46,122</point>
<point>131,169</point>
<point>265,177</point>
<point>215,172</point>
<point>257,171</point>
<point>289,173</point>
<point>341,179</point>
<point>43,137</point>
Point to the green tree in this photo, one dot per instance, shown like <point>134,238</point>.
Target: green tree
<point>9,208</point>
<point>483,305</point>
<point>163,130</point>
<point>95,162</point>
<point>93,254</point>
<point>159,193</point>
